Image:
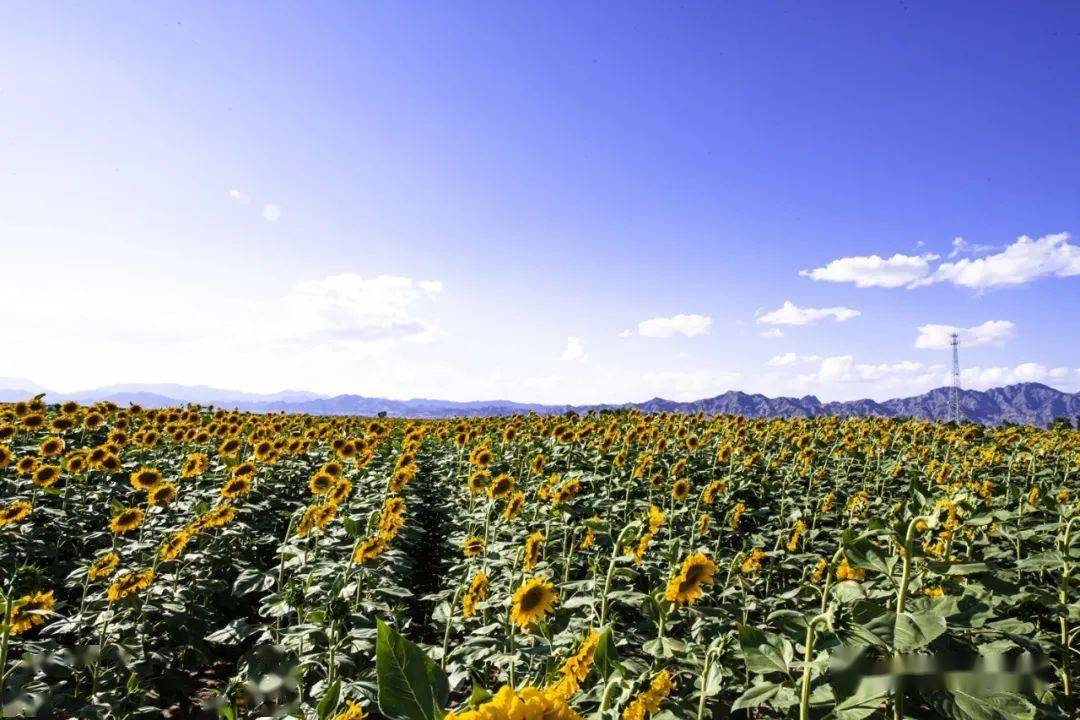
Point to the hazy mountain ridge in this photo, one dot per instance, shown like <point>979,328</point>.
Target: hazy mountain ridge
<point>1033,403</point>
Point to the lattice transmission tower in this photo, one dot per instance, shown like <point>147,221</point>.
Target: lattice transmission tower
<point>954,392</point>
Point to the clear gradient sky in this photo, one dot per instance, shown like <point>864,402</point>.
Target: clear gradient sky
<point>558,202</point>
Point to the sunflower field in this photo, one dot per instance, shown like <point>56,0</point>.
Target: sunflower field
<point>203,563</point>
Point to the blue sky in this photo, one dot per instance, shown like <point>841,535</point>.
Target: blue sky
<point>553,202</point>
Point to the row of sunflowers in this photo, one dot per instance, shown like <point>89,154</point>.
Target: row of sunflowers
<point>199,562</point>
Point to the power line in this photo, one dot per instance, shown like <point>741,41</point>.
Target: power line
<point>954,392</point>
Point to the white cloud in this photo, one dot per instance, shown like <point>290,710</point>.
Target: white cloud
<point>574,351</point>
<point>350,308</point>
<point>963,247</point>
<point>874,270</point>
<point>272,212</point>
<point>790,314</point>
<point>772,333</point>
<point>844,369</point>
<point>681,324</point>
<point>980,378</point>
<point>789,358</point>
<point>239,196</point>
<point>991,332</point>
<point>1025,260</point>
<point>626,333</point>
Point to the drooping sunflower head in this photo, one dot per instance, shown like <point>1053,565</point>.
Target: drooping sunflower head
<point>514,505</point>
<point>103,567</point>
<point>369,550</point>
<point>534,545</point>
<point>162,495</point>
<point>130,583</point>
<point>472,546</point>
<point>30,611</point>
<point>14,512</point>
<point>532,602</point>
<point>340,492</point>
<point>500,487</point>
<point>680,489</point>
<point>175,545</point>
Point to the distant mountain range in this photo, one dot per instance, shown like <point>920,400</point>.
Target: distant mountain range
<point>1031,403</point>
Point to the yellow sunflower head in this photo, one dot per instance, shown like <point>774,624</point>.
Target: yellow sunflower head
<point>162,495</point>
<point>685,588</point>
<point>146,478</point>
<point>532,602</point>
<point>126,520</point>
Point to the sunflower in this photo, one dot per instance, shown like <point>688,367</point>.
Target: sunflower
<point>685,588</point>
<point>315,517</point>
<point>244,469</point>
<point>30,610</point>
<point>230,446</point>
<point>15,512</point>
<point>146,478</point>
<point>477,591</point>
<point>333,468</point>
<point>218,516</point>
<point>70,407</point>
<point>528,703</point>
<point>75,462</point>
<point>5,456</point>
<point>680,489</point>
<point>195,464</point>
<point>577,666</point>
<point>472,546</point>
<point>353,711</point>
<point>648,702</point>
<point>533,601</point>
<point>103,567</point>
<point>34,421</point>
<point>162,495</point>
<point>236,487</point>
<point>751,566</point>
<point>130,583</point>
<point>500,487</point>
<point>51,446</point>
<point>175,545</point>
<point>320,483</point>
<point>46,475</point>
<point>340,492</point>
<point>481,457</point>
<point>793,541</point>
<point>126,520</point>
<point>110,463</point>
<point>736,515</point>
<point>368,550</point>
<point>514,505</point>
<point>534,546</point>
